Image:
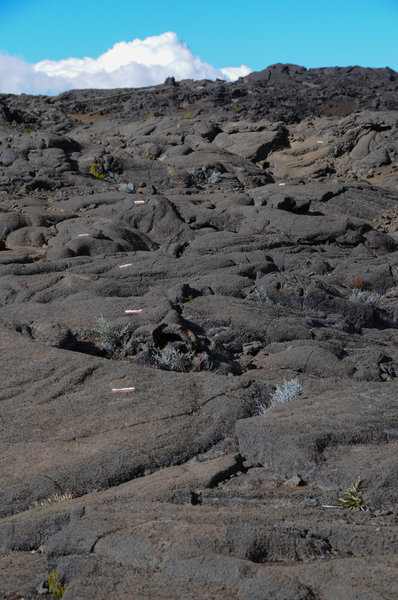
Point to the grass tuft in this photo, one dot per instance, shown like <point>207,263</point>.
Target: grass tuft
<point>353,499</point>
<point>52,499</point>
<point>54,585</point>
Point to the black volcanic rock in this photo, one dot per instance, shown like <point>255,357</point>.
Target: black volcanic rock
<point>199,343</point>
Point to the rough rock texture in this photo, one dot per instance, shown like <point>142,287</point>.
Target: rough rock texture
<point>250,231</point>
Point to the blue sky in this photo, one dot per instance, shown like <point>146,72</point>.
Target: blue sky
<point>255,33</point>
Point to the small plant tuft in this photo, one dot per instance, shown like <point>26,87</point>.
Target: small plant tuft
<point>287,391</point>
<point>259,295</point>
<point>353,499</point>
<point>172,359</point>
<point>214,177</point>
<point>96,170</point>
<point>357,283</point>
<point>54,585</point>
<point>283,393</point>
<point>147,156</point>
<point>204,175</point>
<point>111,336</point>
<point>148,116</point>
<point>358,295</point>
<point>52,499</point>
<point>128,188</point>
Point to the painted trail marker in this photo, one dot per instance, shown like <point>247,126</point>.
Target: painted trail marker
<point>125,266</point>
<point>83,235</point>
<point>139,201</point>
<point>126,389</point>
<point>133,312</point>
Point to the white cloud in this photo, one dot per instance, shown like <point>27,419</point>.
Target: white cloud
<point>233,73</point>
<point>128,64</point>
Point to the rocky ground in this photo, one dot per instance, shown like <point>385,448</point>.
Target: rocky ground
<point>251,229</point>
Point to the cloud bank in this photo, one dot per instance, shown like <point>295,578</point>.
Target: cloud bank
<point>128,64</point>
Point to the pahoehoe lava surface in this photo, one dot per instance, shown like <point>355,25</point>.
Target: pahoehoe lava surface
<point>203,243</point>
